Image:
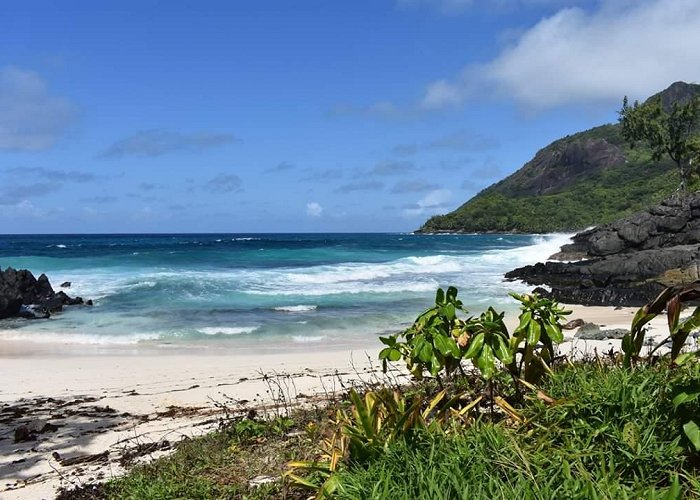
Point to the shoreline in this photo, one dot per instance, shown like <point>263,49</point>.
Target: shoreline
<point>112,403</point>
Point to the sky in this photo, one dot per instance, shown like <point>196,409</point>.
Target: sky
<point>305,116</point>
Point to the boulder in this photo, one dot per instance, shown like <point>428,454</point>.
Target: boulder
<point>591,331</point>
<point>22,295</point>
<point>626,262</point>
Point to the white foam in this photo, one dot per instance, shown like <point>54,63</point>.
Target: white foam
<point>299,308</point>
<point>305,339</point>
<point>481,271</point>
<point>76,338</point>
<point>227,330</point>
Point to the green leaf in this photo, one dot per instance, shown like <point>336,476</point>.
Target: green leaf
<point>685,397</point>
<point>390,353</point>
<point>524,321</point>
<point>533,332</point>
<point>440,296</point>
<point>475,345</point>
<point>627,344</point>
<point>436,363</point>
<point>554,333</point>
<point>446,345</point>
<point>683,358</point>
<point>692,431</point>
<point>390,340</point>
<point>451,294</point>
<point>501,349</point>
<point>423,350</point>
<point>486,362</point>
<point>449,311</point>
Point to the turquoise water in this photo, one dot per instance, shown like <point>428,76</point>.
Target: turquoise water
<point>269,291</point>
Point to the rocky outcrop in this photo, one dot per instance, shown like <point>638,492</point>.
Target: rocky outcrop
<point>23,295</point>
<point>564,163</point>
<point>674,222</point>
<point>626,262</point>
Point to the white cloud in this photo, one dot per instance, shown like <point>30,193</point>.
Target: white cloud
<point>579,57</point>
<point>314,209</point>
<point>432,202</point>
<point>31,119</point>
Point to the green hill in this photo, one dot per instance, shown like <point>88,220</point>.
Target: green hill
<point>581,180</point>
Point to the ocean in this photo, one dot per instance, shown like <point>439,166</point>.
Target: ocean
<point>259,292</point>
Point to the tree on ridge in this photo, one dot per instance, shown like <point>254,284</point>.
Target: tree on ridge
<point>674,131</point>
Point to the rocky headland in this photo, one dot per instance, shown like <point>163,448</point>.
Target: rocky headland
<point>626,262</point>
<point>22,295</point>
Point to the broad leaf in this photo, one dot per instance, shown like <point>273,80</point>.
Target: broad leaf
<point>501,349</point>
<point>446,345</point>
<point>486,362</point>
<point>692,431</point>
<point>475,345</point>
<point>533,332</point>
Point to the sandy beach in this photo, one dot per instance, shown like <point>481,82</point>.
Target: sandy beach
<point>87,411</point>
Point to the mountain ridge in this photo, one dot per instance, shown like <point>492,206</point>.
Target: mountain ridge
<point>583,179</point>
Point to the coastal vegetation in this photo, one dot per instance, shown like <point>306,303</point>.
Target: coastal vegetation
<point>590,177</point>
<point>518,420</point>
<point>668,129</point>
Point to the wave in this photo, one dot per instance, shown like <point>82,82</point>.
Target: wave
<point>23,335</point>
<point>481,271</point>
<point>305,339</point>
<point>299,308</point>
<point>227,330</point>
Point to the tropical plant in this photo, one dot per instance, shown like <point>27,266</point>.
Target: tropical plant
<point>540,323</point>
<point>669,300</point>
<point>433,341</point>
<point>488,340</point>
<point>686,397</point>
<point>375,421</point>
<point>439,340</point>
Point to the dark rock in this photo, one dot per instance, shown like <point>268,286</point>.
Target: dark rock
<point>23,295</point>
<point>626,262</point>
<point>591,331</point>
<point>574,323</point>
<point>33,311</point>
<point>65,284</point>
<point>22,434</point>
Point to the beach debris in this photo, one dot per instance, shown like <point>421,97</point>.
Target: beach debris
<point>260,480</point>
<point>80,459</point>
<point>132,454</point>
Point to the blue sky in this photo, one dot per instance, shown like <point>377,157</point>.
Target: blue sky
<point>258,116</point>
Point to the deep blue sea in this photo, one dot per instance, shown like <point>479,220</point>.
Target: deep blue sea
<point>266,291</point>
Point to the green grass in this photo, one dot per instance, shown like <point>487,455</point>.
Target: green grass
<point>612,434</point>
<point>220,465</point>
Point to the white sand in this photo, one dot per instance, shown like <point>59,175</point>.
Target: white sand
<point>137,387</point>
